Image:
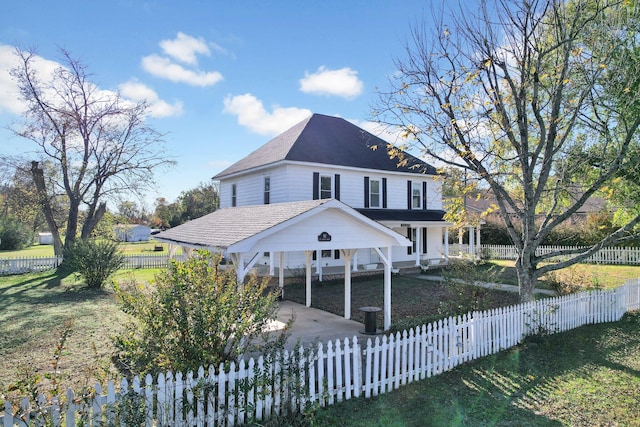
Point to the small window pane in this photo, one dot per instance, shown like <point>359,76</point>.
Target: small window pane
<point>325,187</point>
<point>374,193</point>
<point>416,195</point>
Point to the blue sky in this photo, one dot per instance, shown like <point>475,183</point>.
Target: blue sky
<point>222,77</point>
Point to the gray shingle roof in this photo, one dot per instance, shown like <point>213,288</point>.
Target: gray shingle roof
<point>224,227</point>
<point>329,140</point>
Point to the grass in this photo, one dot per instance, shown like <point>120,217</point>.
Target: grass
<point>129,248</point>
<point>605,276</point>
<point>35,309</point>
<point>586,377</point>
<point>589,376</point>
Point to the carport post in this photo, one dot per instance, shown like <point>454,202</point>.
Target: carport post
<point>308,255</point>
<point>387,291</point>
<point>347,254</point>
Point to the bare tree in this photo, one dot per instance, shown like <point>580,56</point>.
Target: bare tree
<point>99,142</point>
<point>515,93</point>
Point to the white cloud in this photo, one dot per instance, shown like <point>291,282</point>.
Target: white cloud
<point>184,48</point>
<point>251,114</point>
<point>137,91</point>
<point>166,69</point>
<point>343,82</point>
<point>9,93</point>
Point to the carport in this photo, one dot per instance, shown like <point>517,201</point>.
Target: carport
<point>244,233</point>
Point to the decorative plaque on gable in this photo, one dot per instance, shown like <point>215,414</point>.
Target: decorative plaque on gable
<point>324,237</point>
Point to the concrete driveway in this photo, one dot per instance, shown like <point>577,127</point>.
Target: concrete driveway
<point>312,325</point>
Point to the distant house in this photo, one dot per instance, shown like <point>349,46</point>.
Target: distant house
<point>45,238</point>
<point>132,232</point>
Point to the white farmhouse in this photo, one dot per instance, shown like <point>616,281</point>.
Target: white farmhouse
<point>325,193</point>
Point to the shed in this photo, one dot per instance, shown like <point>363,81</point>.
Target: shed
<point>132,232</point>
<point>45,238</point>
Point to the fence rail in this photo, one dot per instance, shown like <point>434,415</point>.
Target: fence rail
<point>607,255</point>
<point>323,374</point>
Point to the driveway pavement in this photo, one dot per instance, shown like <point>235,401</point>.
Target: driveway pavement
<point>312,325</point>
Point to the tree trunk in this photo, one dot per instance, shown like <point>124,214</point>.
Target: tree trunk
<point>527,279</point>
<point>92,221</point>
<point>72,223</point>
<point>41,188</point>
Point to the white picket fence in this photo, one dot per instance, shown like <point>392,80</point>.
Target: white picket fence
<point>10,266</point>
<point>607,255</point>
<point>324,374</point>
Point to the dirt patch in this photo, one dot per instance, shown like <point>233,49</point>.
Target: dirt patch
<point>411,297</point>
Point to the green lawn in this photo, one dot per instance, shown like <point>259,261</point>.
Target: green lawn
<point>589,376</point>
<point>606,276</point>
<point>35,308</point>
<point>586,377</point>
<point>47,250</point>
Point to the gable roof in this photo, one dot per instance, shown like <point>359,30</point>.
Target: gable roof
<point>332,141</point>
<point>235,228</point>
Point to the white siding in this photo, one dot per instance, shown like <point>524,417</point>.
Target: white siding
<point>294,182</point>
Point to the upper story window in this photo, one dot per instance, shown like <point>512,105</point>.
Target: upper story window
<point>267,190</point>
<point>416,195</point>
<point>374,193</point>
<point>234,195</point>
<point>325,187</point>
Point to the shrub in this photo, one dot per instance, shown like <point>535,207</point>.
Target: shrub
<point>195,315</point>
<point>14,235</point>
<point>94,260</point>
<point>570,280</point>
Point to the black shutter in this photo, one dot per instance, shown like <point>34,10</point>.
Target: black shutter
<point>424,196</point>
<point>337,187</point>
<point>424,240</point>
<point>410,247</point>
<point>316,185</point>
<point>408,194</point>
<point>384,193</point>
<point>315,256</point>
<point>336,254</point>
<point>366,191</point>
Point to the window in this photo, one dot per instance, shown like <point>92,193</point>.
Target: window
<point>326,253</point>
<point>411,235</point>
<point>267,190</point>
<point>234,194</point>
<point>374,193</point>
<point>325,187</point>
<point>416,195</point>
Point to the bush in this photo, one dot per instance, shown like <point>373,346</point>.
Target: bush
<point>571,280</point>
<point>195,315</point>
<point>94,261</point>
<point>14,235</point>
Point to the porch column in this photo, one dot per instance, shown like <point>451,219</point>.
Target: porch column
<point>446,243</point>
<point>271,263</point>
<point>472,243</point>
<point>387,261</point>
<point>347,254</point>
<point>387,291</point>
<point>308,255</point>
<point>281,271</point>
<point>478,251</point>
<point>319,264</point>
<point>418,245</point>
<point>355,261</point>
